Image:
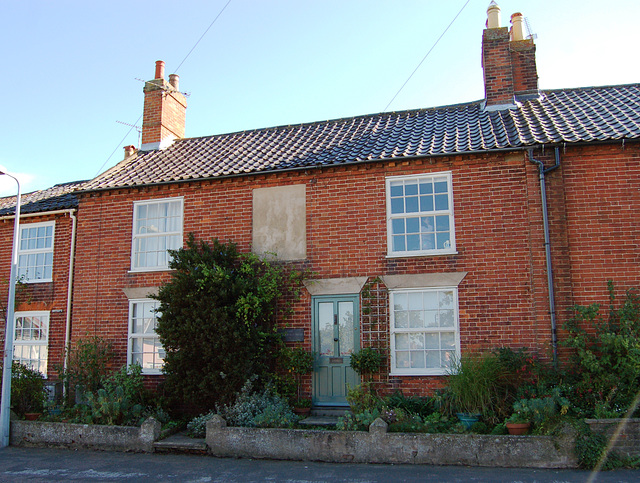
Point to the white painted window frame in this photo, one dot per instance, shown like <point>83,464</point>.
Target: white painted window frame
<point>451,250</point>
<point>46,319</point>
<point>136,236</point>
<point>395,371</point>
<point>132,336</point>
<point>24,277</point>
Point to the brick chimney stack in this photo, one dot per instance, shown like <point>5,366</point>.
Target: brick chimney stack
<point>508,61</point>
<point>164,111</point>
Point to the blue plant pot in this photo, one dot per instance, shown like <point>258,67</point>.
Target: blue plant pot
<point>468,420</point>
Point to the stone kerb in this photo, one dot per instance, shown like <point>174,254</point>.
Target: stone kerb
<point>379,446</point>
<point>113,438</point>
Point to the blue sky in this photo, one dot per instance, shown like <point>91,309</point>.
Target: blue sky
<point>71,68</point>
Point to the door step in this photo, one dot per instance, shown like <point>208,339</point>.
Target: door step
<point>334,411</point>
<point>180,443</point>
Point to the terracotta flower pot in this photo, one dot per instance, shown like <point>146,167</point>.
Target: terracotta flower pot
<point>302,411</point>
<point>32,416</point>
<point>518,428</point>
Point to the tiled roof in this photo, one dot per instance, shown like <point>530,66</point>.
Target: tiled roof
<point>556,116</point>
<point>59,197</point>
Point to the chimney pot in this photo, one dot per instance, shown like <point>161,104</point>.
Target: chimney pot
<point>129,150</point>
<point>159,69</point>
<point>493,15</point>
<point>174,80</point>
<point>517,31</point>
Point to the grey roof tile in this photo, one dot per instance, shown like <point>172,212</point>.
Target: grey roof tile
<point>58,197</point>
<point>555,116</point>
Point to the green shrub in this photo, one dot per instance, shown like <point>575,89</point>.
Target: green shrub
<point>361,399</point>
<point>422,406</point>
<point>112,407</point>
<point>217,320</point>
<point>197,427</point>
<point>604,373</point>
<point>28,394</point>
<point>258,408</point>
<point>88,365</point>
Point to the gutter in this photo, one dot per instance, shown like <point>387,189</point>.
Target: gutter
<point>39,213</point>
<point>547,247</point>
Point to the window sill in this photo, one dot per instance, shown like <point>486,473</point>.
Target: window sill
<point>440,372</point>
<point>421,254</point>
<point>150,269</point>
<point>48,280</point>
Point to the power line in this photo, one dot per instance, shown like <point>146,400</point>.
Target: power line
<point>175,71</point>
<point>427,55</point>
<point>205,33</point>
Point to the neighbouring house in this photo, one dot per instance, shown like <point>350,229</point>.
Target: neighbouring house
<point>430,232</point>
<point>42,319</point>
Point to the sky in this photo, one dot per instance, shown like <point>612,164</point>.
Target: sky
<point>73,70</point>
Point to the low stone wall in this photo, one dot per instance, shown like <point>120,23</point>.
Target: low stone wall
<point>112,438</point>
<point>379,446</point>
<point>623,434</point>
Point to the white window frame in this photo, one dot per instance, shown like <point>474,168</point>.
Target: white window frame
<point>32,345</point>
<point>23,272</point>
<point>408,371</point>
<point>142,335</point>
<point>138,237</point>
<point>449,250</point>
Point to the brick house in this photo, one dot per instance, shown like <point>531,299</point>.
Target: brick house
<point>45,267</point>
<point>429,232</point>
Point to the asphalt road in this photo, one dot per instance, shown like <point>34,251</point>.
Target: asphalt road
<point>40,465</point>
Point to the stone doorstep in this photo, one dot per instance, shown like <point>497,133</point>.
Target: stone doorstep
<point>324,416</point>
<point>181,443</point>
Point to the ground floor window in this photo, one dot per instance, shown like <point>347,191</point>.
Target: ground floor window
<point>144,346</point>
<point>424,330</point>
<point>31,340</point>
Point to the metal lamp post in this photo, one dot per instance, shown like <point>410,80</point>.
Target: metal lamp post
<point>5,403</point>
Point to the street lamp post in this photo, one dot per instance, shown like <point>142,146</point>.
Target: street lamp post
<point>5,402</point>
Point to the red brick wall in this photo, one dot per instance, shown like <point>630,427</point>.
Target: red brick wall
<point>346,235</point>
<point>503,301</point>
<point>45,296</point>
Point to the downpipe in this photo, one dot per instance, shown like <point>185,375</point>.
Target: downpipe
<point>547,247</point>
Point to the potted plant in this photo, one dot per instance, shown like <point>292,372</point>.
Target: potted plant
<point>299,362</point>
<point>520,421</point>
<point>472,383</point>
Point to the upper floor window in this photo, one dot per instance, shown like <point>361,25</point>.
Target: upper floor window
<point>31,345</point>
<point>420,215</point>
<point>157,227</point>
<point>144,346</point>
<point>35,252</point>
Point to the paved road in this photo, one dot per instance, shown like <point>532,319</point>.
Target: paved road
<point>40,465</point>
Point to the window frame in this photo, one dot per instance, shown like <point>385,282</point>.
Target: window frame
<point>137,236</point>
<point>35,251</point>
<point>395,371</point>
<point>451,250</point>
<point>46,321</point>
<point>131,336</point>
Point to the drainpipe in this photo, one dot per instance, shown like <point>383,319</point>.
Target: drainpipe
<point>72,254</point>
<point>547,247</point>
